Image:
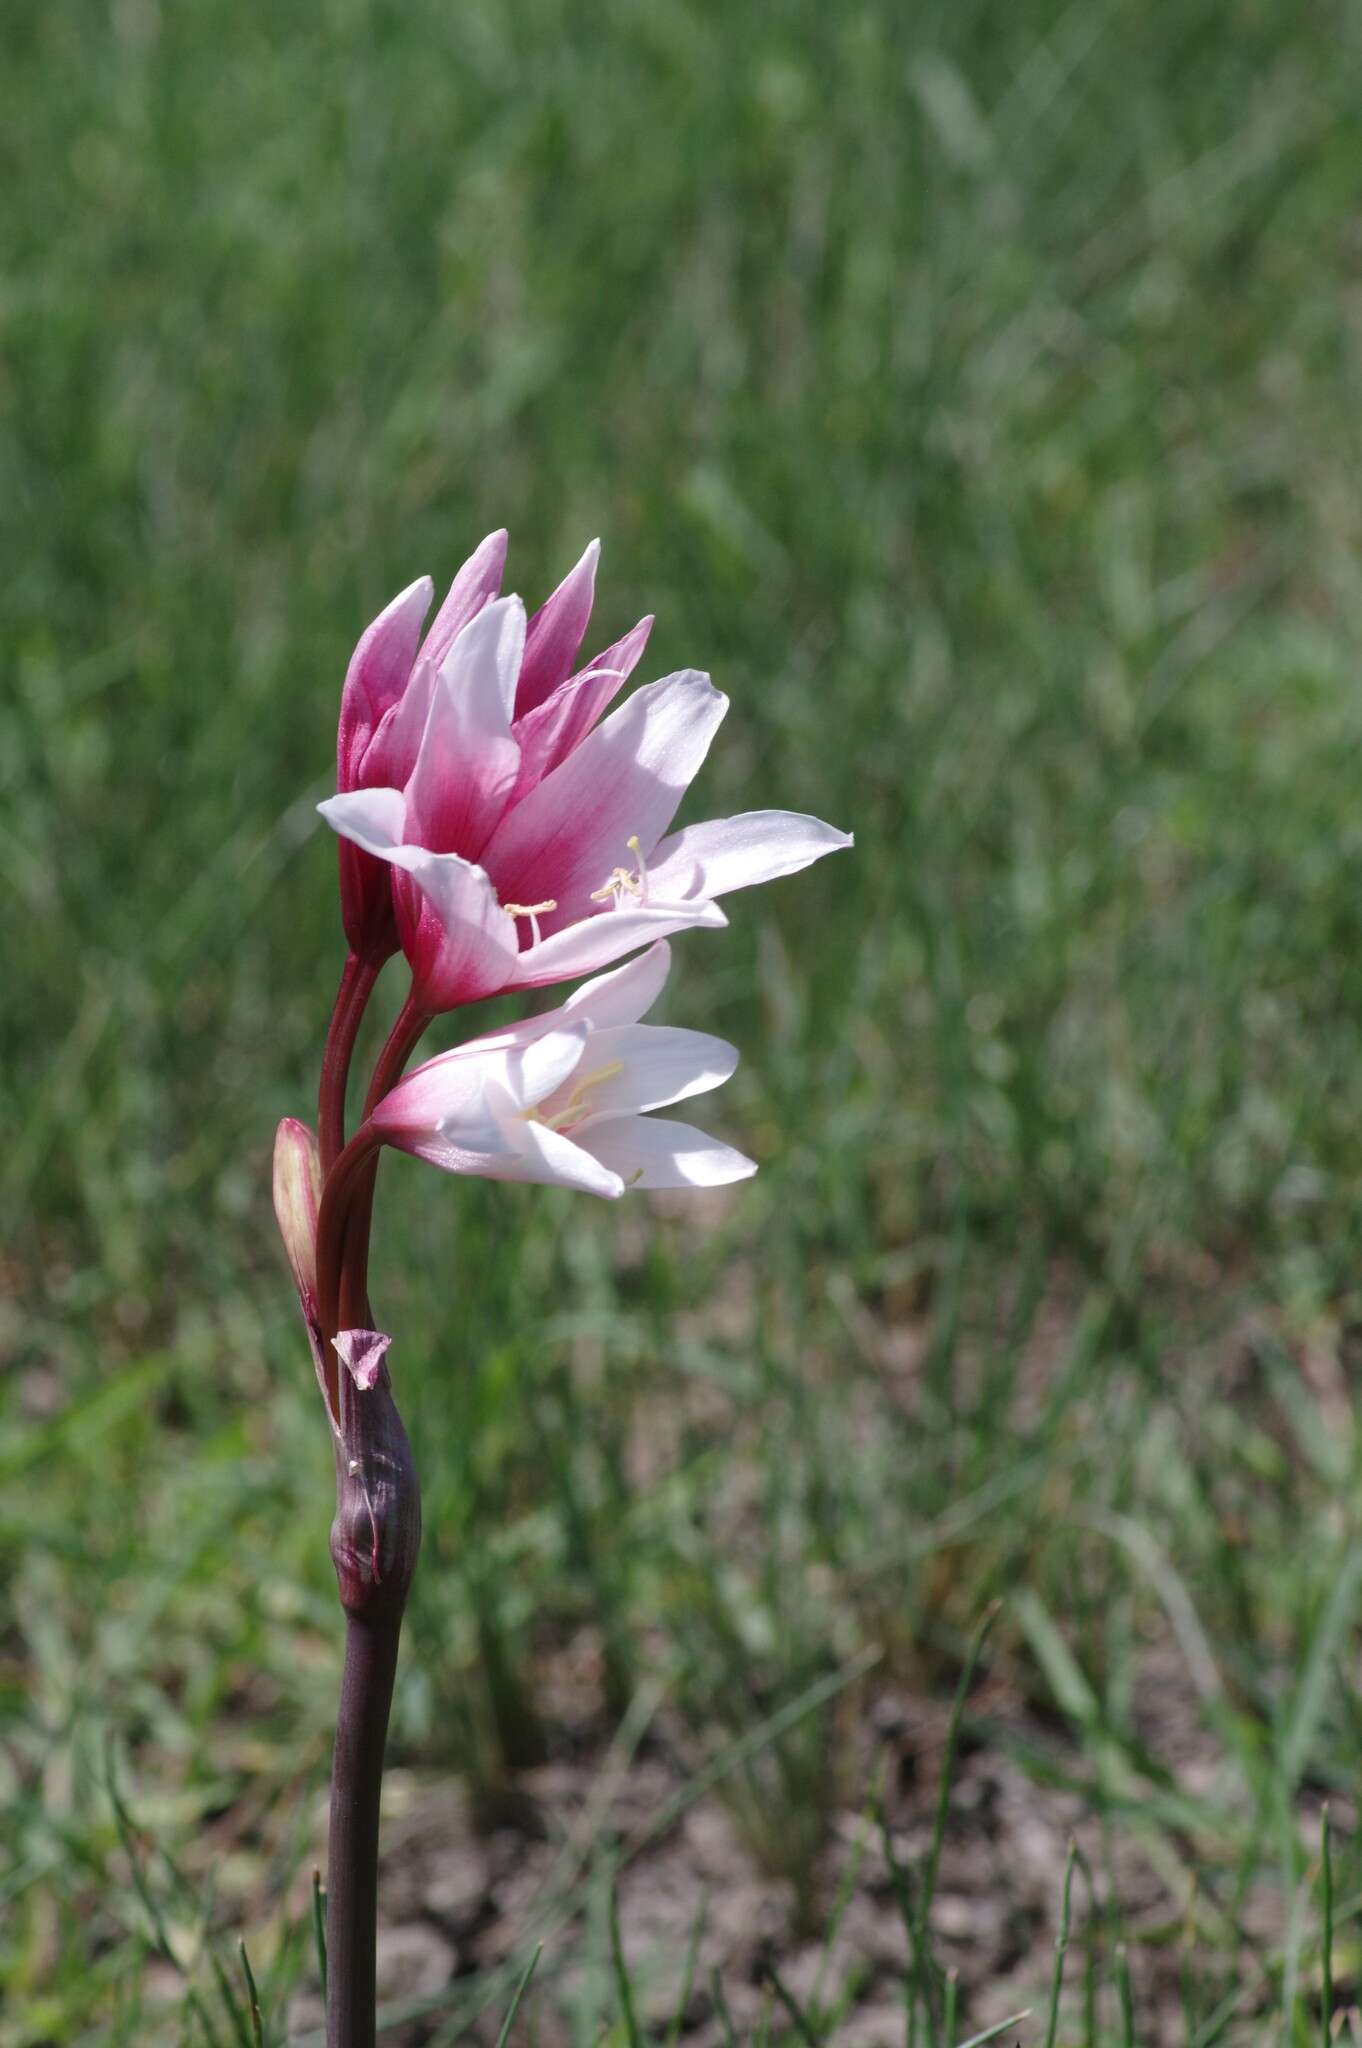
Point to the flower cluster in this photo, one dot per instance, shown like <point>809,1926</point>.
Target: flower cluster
<point>504,828</point>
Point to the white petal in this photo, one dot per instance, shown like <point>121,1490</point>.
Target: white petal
<point>550,1158</point>
<point>625,994</point>
<point>596,941</point>
<point>373,818</point>
<point>656,1064</point>
<point>533,1071</point>
<point>735,853</point>
<point>657,1152</point>
<point>624,780</point>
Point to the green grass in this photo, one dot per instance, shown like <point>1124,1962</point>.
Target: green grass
<point>975,391</point>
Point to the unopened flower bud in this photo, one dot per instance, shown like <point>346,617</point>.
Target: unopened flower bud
<point>376,1534</point>
<point>297,1197</point>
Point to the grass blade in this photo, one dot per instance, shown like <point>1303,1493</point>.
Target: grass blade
<point>127,1835</point>
<point>514,2006</point>
<point>319,1925</point>
<point>241,2029</point>
<point>716,1987</point>
<point>803,2026</point>
<point>1326,1883</point>
<point>1309,1703</point>
<point>253,1998</point>
<point>1126,1997</point>
<point>622,1984</point>
<point>1014,2019</point>
<point>1061,1947</point>
<point>688,1973</point>
<point>962,1693</point>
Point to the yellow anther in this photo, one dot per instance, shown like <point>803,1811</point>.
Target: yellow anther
<point>621,882</point>
<point>534,911</point>
<point>578,1103</point>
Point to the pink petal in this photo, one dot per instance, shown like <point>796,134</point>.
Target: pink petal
<point>548,734</point>
<point>448,1087</point>
<point>467,761</point>
<point>377,675</point>
<point>556,631</point>
<point>736,853</point>
<point>361,1353</point>
<point>659,1152</point>
<point>476,584</point>
<point>625,779</point>
<point>594,942</point>
<point>391,754</point>
<point>459,942</point>
<point>440,1113</point>
<point>369,822</point>
<point>450,1092</point>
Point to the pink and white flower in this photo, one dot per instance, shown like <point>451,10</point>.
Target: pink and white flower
<point>389,686</point>
<point>563,1099</point>
<point>528,842</point>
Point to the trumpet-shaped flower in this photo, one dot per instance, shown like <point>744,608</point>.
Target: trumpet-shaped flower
<point>387,701</point>
<point>564,1099</point>
<point>528,842</point>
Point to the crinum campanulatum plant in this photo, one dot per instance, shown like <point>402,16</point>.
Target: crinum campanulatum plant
<point>502,828</point>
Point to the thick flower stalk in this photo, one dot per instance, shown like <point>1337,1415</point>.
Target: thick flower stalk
<point>502,832</point>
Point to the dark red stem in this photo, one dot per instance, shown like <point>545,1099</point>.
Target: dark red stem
<point>374,1543</point>
<point>377,1531</point>
<point>339,1191</point>
<point>356,986</point>
<point>401,1042</point>
<point>352,1859</point>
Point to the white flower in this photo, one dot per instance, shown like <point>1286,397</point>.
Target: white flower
<point>564,1099</point>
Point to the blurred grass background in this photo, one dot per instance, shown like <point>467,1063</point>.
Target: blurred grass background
<point>974,390</point>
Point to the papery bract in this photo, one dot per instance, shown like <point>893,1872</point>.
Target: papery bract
<point>362,1352</point>
<point>563,1099</point>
